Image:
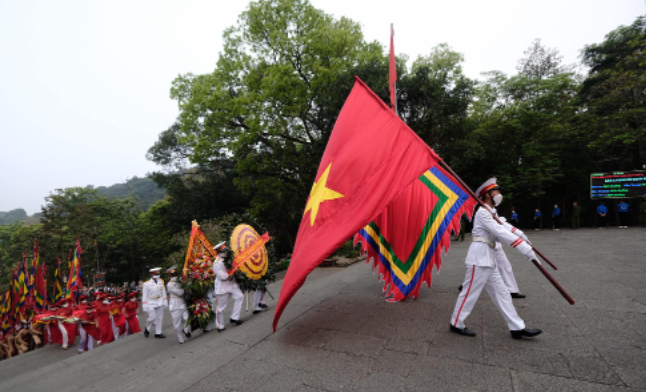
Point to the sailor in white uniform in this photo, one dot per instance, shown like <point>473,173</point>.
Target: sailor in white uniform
<point>482,271</point>
<point>224,287</point>
<point>177,306</point>
<point>154,301</point>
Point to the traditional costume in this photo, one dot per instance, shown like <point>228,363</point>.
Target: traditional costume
<point>88,331</point>
<point>154,301</point>
<point>131,308</point>
<point>482,271</point>
<point>66,326</point>
<point>118,318</point>
<point>106,333</point>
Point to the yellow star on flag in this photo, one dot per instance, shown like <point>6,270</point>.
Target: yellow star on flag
<point>319,194</point>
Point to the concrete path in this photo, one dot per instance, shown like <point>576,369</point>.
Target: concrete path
<point>338,334</point>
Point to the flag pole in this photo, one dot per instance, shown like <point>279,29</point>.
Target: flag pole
<point>549,277</point>
<point>392,72</point>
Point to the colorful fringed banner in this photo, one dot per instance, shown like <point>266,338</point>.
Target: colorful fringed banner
<point>74,282</point>
<point>406,239</point>
<point>57,293</point>
<point>198,247</point>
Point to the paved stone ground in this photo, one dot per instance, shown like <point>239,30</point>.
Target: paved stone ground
<point>338,334</point>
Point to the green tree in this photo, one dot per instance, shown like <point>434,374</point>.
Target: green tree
<point>264,110</point>
<point>613,95</point>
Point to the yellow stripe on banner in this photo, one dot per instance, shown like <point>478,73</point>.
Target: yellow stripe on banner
<point>406,278</point>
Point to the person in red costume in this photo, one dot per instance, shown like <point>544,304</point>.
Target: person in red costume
<point>87,327</point>
<point>67,328</point>
<point>51,334</point>
<point>96,299</point>
<point>118,318</point>
<point>82,303</point>
<point>131,308</point>
<point>104,319</point>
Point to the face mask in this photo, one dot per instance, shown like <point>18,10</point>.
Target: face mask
<point>156,276</point>
<point>66,305</point>
<point>497,200</point>
<point>89,311</point>
<point>133,299</point>
<point>106,302</point>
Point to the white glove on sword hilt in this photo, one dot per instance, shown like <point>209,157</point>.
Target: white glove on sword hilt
<point>532,256</point>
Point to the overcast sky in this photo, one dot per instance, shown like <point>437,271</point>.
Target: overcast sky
<point>84,85</point>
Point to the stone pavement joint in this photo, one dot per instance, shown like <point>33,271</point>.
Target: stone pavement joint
<point>338,334</point>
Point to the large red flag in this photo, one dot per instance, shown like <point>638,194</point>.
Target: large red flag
<point>392,72</point>
<point>372,155</point>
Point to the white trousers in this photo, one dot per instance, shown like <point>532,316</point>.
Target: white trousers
<point>258,298</point>
<point>64,333</point>
<point>489,278</point>
<point>221,301</point>
<point>507,274</point>
<point>180,317</point>
<point>85,339</point>
<point>115,329</point>
<point>155,316</point>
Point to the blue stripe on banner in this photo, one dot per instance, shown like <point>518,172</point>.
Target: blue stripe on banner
<point>462,198</point>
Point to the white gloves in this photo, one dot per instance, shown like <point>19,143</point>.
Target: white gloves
<point>532,256</point>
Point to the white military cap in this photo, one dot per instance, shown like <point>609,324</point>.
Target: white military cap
<point>156,269</point>
<point>222,244</point>
<point>488,185</point>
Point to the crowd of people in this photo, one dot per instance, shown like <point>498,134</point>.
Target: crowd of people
<point>97,319</point>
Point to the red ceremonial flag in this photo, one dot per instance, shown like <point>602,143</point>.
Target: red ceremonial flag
<point>372,156</point>
<point>392,72</point>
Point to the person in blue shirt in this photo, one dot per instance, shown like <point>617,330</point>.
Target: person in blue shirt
<point>537,219</point>
<point>623,209</point>
<point>514,217</point>
<point>556,217</point>
<point>602,211</point>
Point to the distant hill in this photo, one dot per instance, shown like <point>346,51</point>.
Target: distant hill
<point>142,188</point>
<point>17,215</point>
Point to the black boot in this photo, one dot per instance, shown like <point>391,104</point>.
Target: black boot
<point>518,295</point>
<point>236,322</point>
<point>528,333</point>
<point>146,332</point>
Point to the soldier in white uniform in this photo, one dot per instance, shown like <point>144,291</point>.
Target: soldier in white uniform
<point>225,286</point>
<point>154,301</point>
<point>482,271</point>
<point>177,306</point>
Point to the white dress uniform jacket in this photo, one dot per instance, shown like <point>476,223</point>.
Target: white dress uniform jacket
<point>223,283</point>
<point>154,294</point>
<point>154,301</point>
<point>177,308</point>
<point>224,287</point>
<point>481,253</point>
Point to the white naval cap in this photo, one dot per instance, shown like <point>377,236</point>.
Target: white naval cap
<point>222,244</point>
<point>156,269</point>
<point>487,186</point>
